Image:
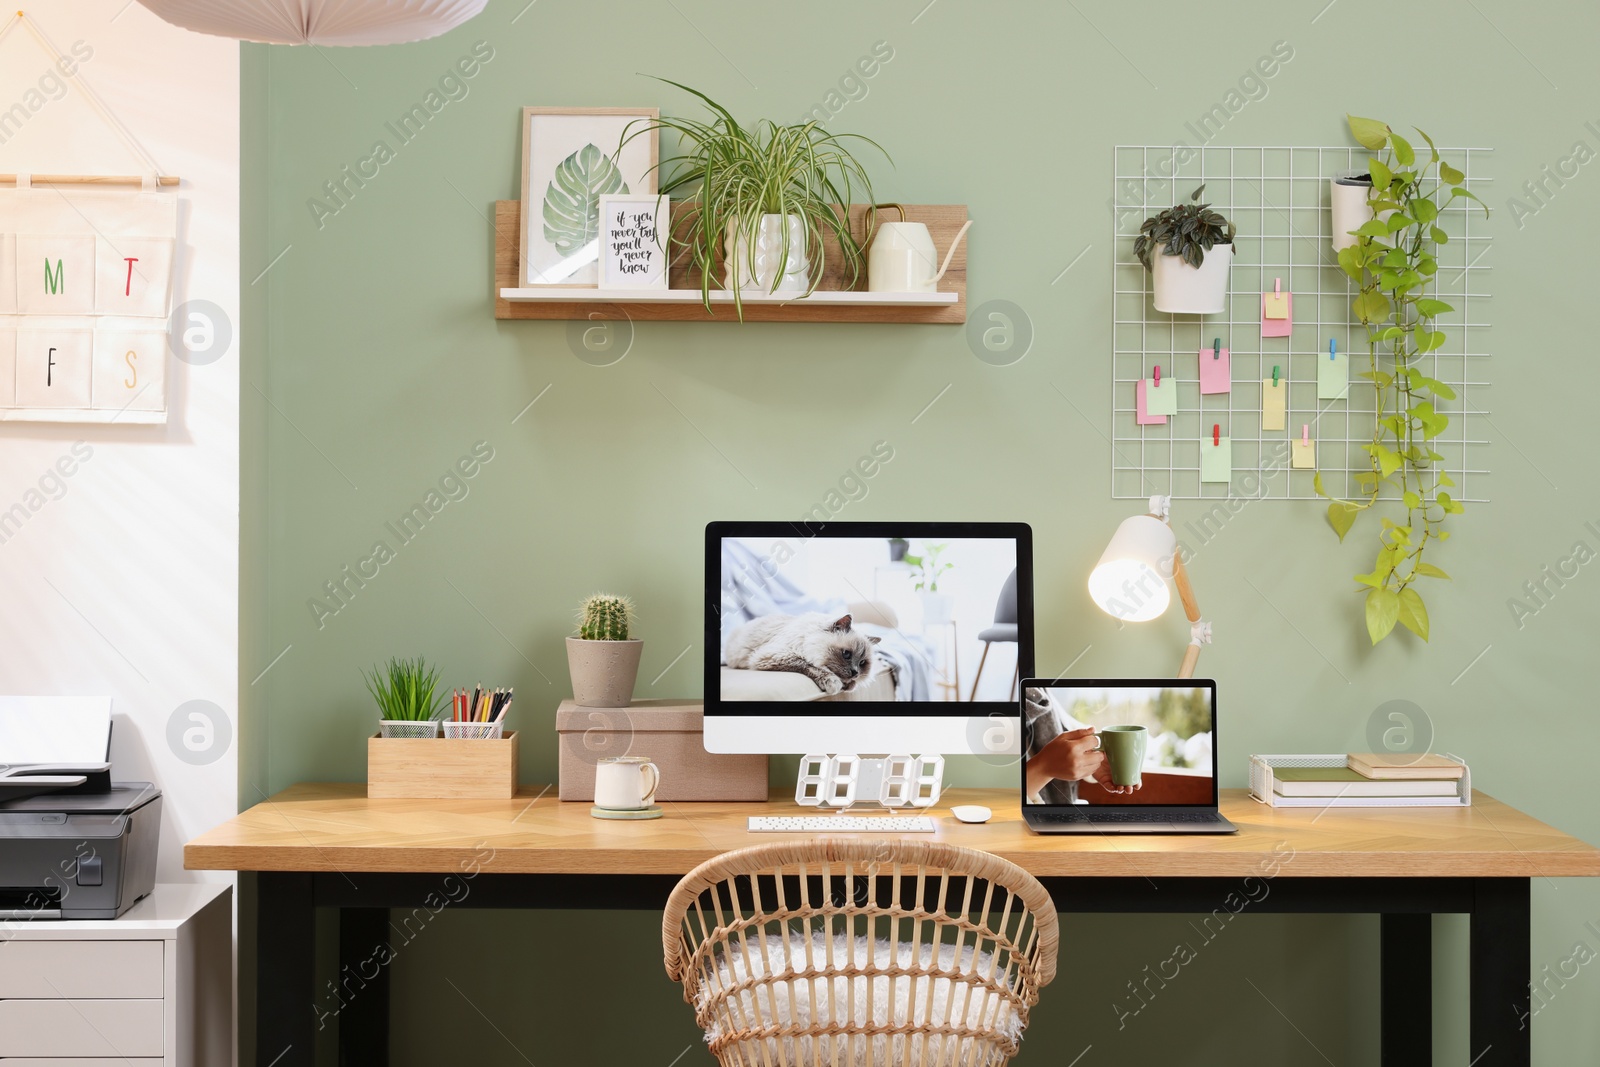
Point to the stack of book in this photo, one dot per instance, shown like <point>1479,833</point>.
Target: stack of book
<point>1363,779</point>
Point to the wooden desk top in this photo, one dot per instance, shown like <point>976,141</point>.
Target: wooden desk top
<point>334,827</point>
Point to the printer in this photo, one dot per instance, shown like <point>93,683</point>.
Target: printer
<point>73,843</point>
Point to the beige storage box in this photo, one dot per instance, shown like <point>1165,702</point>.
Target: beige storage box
<point>669,732</point>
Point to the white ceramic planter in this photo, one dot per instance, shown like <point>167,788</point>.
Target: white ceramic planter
<point>796,277</point>
<point>1347,200</point>
<point>1184,290</point>
<point>603,672</point>
<point>937,608</point>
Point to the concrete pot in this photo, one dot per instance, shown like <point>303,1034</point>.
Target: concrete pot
<point>603,672</point>
<point>1184,290</point>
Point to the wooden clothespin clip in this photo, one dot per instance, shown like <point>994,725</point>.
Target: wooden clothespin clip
<point>1216,435</point>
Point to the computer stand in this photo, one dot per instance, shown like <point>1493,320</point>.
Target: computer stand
<point>845,781</point>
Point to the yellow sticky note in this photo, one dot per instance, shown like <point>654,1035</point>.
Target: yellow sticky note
<point>1274,403</point>
<point>1275,305</point>
<point>1216,460</point>
<point>1303,455</point>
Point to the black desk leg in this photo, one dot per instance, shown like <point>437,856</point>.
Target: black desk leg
<point>286,1019</point>
<point>364,982</point>
<point>1502,947</point>
<point>1406,988</point>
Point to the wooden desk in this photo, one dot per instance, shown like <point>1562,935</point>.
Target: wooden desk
<point>328,845</point>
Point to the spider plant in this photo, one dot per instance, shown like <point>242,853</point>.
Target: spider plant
<point>735,174</point>
<point>404,690</point>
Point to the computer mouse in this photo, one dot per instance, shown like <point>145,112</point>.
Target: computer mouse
<point>971,812</point>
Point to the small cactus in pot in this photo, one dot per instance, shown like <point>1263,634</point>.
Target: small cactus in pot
<point>603,660</point>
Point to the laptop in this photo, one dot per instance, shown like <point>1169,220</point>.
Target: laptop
<point>1158,771</point>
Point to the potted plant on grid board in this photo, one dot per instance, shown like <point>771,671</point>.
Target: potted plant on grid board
<point>1393,260</point>
<point>761,199</point>
<point>603,660</point>
<point>1190,275</point>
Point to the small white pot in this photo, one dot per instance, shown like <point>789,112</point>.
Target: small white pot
<point>937,608</point>
<point>796,277</point>
<point>1184,290</point>
<point>603,672</point>
<point>1347,203</point>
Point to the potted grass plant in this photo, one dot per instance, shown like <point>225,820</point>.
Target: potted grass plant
<point>603,659</point>
<point>1189,276</point>
<point>408,697</point>
<point>761,198</point>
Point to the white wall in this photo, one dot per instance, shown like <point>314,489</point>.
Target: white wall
<point>124,581</point>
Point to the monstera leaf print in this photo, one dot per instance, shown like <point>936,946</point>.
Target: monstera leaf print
<point>572,199</point>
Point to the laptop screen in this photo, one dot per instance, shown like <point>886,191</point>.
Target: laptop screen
<point>1119,742</point>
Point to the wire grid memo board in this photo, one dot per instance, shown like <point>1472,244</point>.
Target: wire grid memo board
<point>1278,198</point>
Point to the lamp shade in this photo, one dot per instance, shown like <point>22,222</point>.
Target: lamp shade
<point>331,22</point>
<point>1130,581</point>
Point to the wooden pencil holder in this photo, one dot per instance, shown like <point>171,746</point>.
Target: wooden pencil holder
<point>442,768</point>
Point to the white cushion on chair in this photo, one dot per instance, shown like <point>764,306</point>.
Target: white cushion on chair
<point>798,1007</point>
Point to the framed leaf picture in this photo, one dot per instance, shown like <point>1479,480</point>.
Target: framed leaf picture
<point>570,160</point>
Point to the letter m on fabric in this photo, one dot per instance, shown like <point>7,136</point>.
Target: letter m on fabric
<point>54,282</point>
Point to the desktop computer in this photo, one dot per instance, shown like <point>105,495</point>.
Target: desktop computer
<point>863,637</point>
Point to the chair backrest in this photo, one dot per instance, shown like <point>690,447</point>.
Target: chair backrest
<point>1005,606</point>
<point>843,951</point>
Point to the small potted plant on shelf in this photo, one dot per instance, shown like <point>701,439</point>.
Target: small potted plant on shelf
<point>603,660</point>
<point>926,570</point>
<point>761,198</point>
<point>406,691</point>
<point>1195,244</point>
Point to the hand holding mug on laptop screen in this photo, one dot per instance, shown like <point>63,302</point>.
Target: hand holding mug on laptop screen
<point>1083,754</point>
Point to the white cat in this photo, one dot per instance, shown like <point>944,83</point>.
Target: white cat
<point>821,647</point>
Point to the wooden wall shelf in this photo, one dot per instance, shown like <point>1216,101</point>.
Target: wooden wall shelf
<point>681,302</point>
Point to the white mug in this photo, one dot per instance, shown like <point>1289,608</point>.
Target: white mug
<point>625,783</point>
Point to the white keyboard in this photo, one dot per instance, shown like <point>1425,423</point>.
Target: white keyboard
<point>841,824</point>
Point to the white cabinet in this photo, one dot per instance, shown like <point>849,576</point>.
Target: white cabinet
<point>151,989</point>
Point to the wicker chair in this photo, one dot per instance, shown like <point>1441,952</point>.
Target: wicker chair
<point>843,952</point>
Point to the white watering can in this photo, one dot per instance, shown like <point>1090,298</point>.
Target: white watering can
<point>902,257</point>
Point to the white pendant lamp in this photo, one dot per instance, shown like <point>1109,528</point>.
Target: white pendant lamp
<point>325,22</point>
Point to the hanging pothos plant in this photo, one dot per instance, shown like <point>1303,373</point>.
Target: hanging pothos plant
<point>1393,261</point>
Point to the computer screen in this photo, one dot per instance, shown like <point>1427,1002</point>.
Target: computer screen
<point>869,638</point>
<point>1119,742</point>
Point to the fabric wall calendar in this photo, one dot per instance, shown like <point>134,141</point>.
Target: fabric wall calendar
<point>85,292</point>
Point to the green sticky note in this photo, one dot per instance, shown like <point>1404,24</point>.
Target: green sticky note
<point>1216,460</point>
<point>1333,376</point>
<point>1160,400</point>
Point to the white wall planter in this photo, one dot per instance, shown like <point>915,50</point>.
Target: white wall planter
<point>1347,200</point>
<point>1184,290</point>
<point>796,277</point>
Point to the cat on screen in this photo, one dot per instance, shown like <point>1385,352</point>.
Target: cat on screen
<point>823,648</point>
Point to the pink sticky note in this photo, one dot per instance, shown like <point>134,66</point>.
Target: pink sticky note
<point>1277,327</point>
<point>1216,371</point>
<point>1141,415</point>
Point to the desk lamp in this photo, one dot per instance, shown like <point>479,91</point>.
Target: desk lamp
<point>1130,581</point>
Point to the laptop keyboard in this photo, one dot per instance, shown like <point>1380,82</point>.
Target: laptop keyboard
<point>1130,817</point>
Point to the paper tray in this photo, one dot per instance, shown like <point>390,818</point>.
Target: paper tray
<point>1261,786</point>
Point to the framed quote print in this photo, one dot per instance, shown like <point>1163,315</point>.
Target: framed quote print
<point>571,157</point>
<point>633,241</point>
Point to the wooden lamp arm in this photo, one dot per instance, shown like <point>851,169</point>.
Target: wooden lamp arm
<point>1191,608</point>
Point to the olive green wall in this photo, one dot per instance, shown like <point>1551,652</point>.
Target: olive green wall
<point>372,341</point>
